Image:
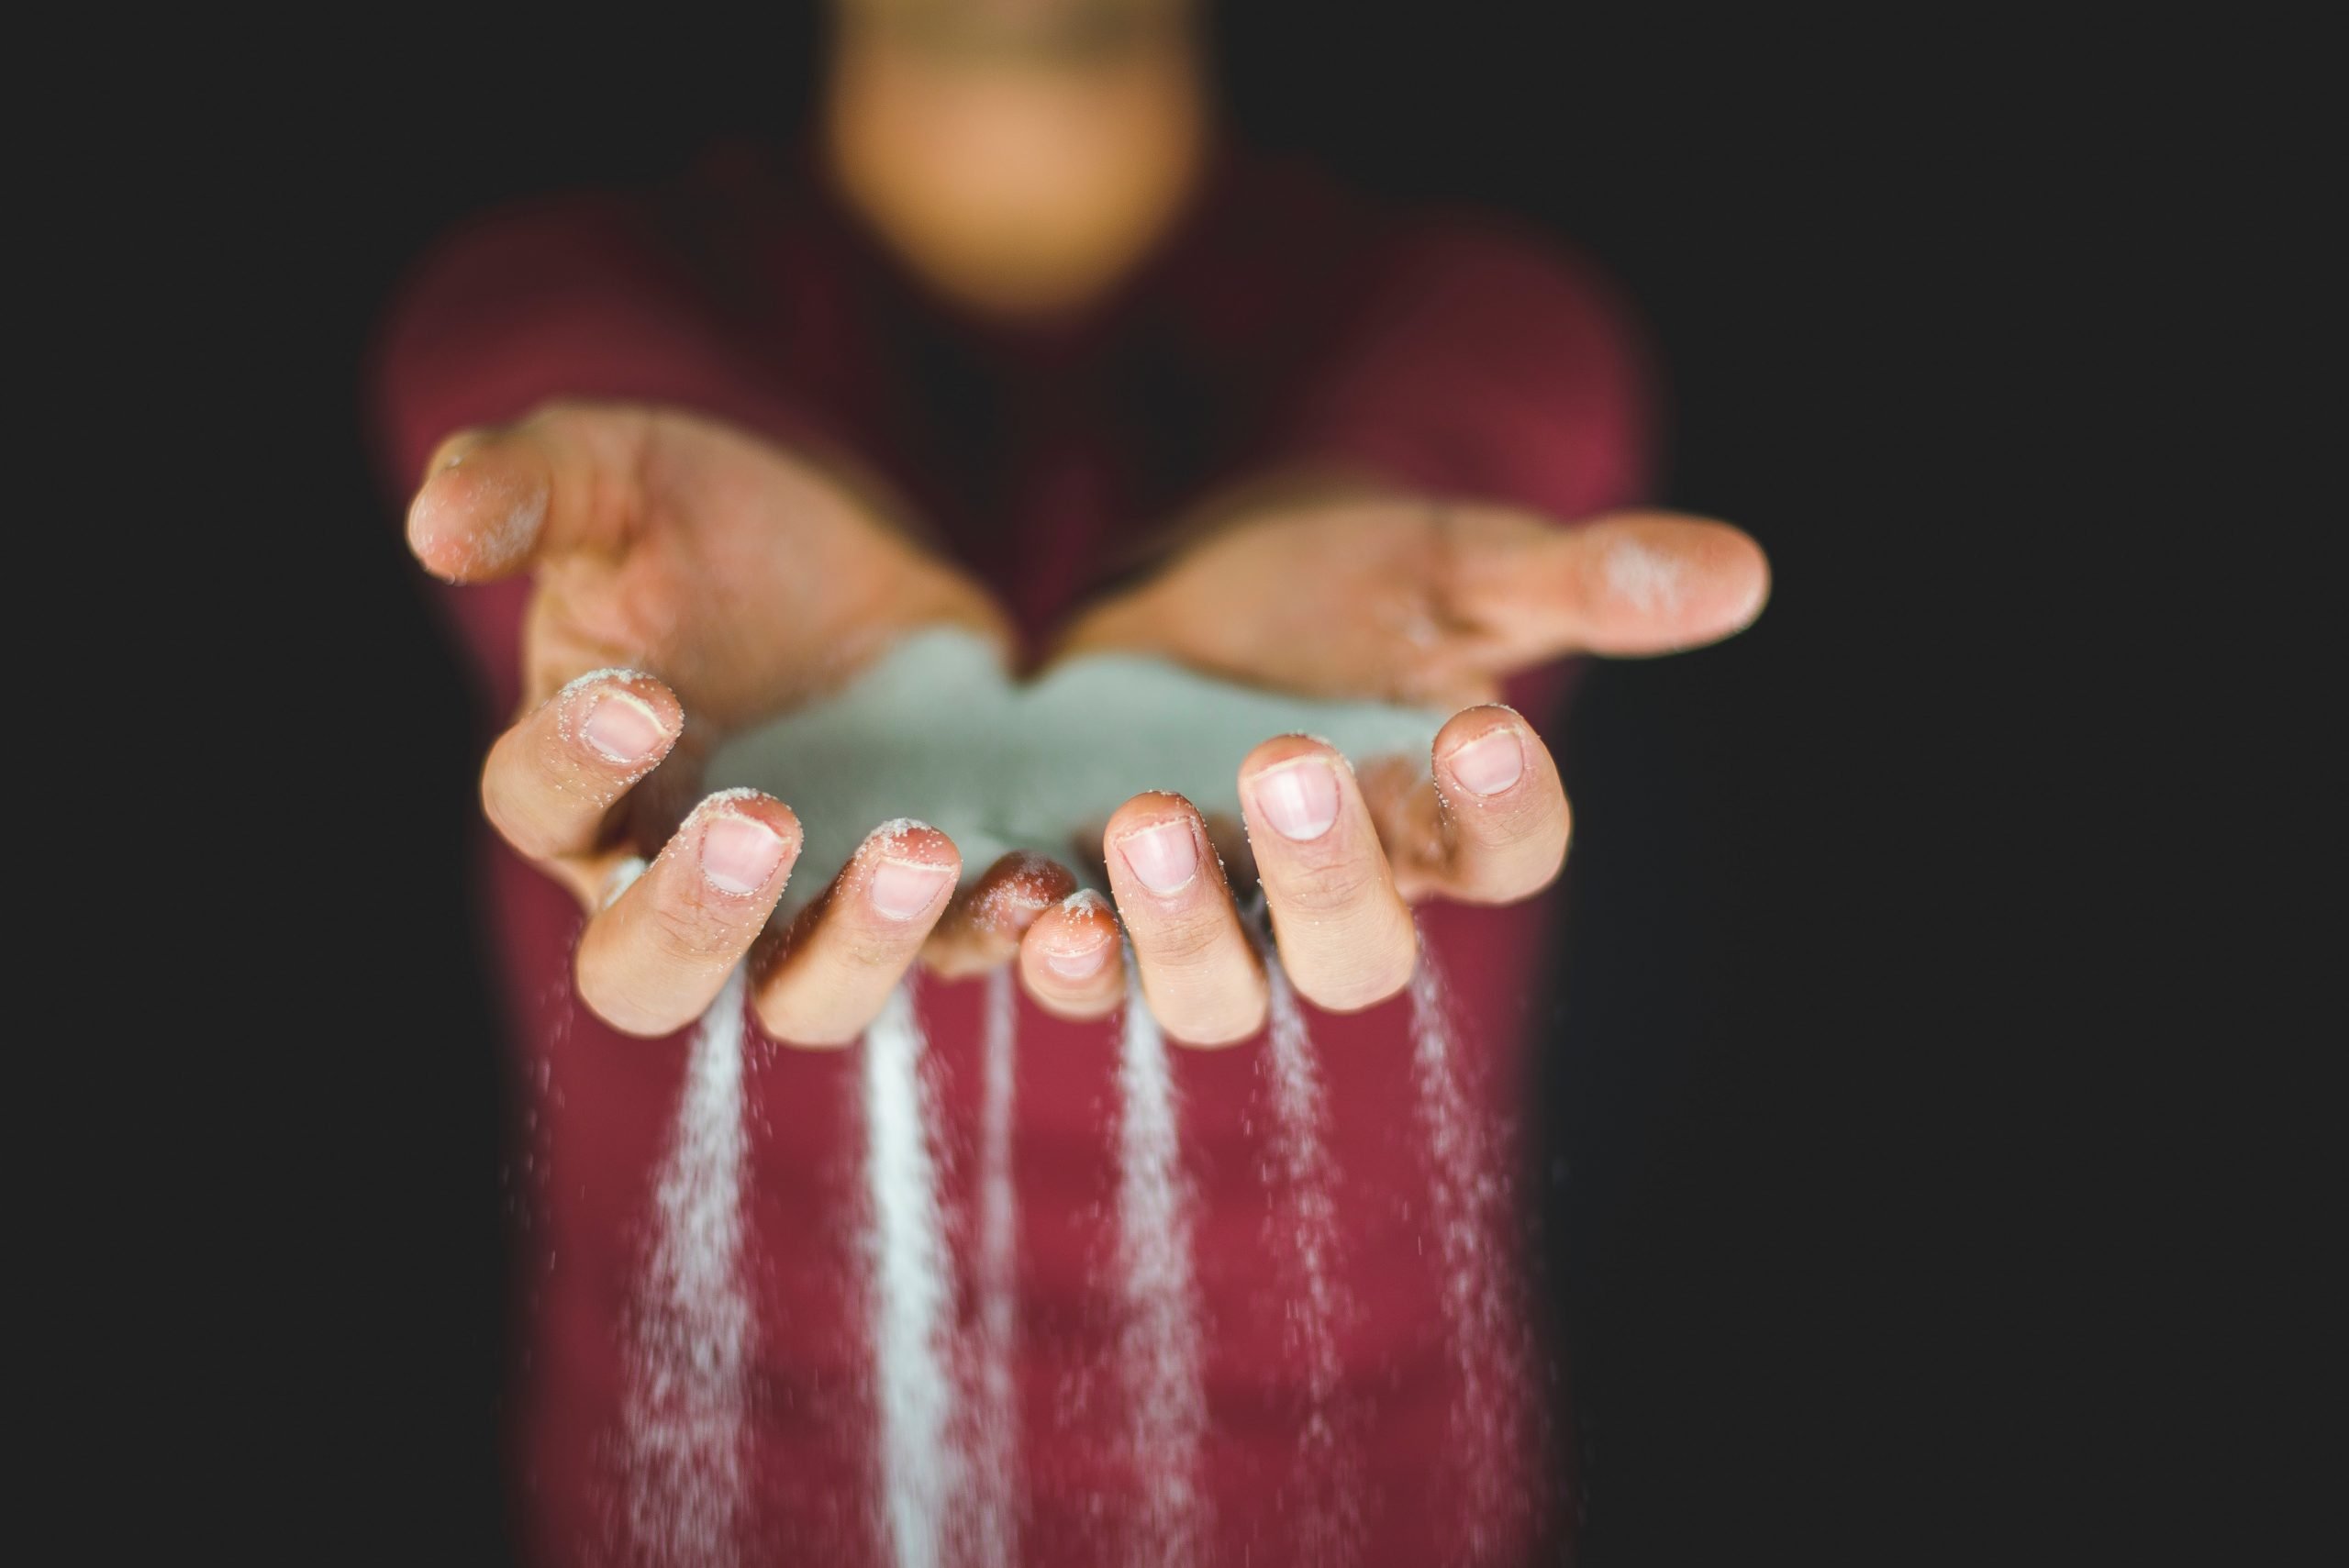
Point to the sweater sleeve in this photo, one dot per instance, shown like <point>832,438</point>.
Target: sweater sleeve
<point>1478,363</point>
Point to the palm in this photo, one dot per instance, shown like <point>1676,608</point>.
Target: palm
<point>1360,599</point>
<point>746,578</point>
<point>1417,600</point>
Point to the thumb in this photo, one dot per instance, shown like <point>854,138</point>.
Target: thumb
<point>494,501</point>
<point>1627,584</point>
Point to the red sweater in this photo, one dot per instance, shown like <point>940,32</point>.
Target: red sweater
<point>1282,325</point>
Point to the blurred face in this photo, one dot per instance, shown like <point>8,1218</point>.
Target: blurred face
<point>1022,155</point>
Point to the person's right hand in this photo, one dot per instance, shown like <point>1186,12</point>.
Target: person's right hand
<point>689,580</point>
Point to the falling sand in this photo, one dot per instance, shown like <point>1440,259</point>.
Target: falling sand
<point>685,1425</point>
<point>994,1424</point>
<point>920,1471</point>
<point>1165,1399</point>
<point>1327,1486</point>
<point>1469,1194</point>
<point>950,1487</point>
<point>1000,767</point>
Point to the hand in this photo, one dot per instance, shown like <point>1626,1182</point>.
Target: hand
<point>1370,597</point>
<point>689,580</point>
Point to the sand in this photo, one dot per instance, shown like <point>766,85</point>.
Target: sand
<point>936,732</point>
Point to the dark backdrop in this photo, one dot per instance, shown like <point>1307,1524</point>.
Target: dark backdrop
<point>1787,1137</point>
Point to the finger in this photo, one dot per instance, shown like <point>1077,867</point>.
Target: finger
<point>982,927</point>
<point>493,500</point>
<point>655,959</point>
<point>1200,971</point>
<point>552,780</point>
<point>826,979</point>
<point>1490,825</point>
<point>1636,582</point>
<point>1345,937</point>
<point>1068,960</point>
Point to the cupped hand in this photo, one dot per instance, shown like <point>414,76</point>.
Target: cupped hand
<point>688,580</point>
<point>1385,597</point>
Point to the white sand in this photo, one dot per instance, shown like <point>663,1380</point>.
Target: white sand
<point>685,1421</point>
<point>1468,1191</point>
<point>912,1291</point>
<point>995,1512</point>
<point>936,732</point>
<point>1160,1356</point>
<point>1325,1491</point>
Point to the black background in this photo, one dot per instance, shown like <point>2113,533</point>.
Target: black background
<point>1799,1126</point>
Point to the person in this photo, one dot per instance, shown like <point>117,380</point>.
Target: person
<point>1024,345</point>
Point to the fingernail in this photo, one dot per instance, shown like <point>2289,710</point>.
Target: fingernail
<point>739,854</point>
<point>1298,798</point>
<point>1491,763</point>
<point>903,889</point>
<point>624,728</point>
<point>1165,857</point>
<point>1079,965</point>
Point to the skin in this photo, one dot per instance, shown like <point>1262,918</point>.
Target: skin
<point>689,580</point>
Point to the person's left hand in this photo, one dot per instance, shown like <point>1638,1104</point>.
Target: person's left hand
<point>1400,599</point>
